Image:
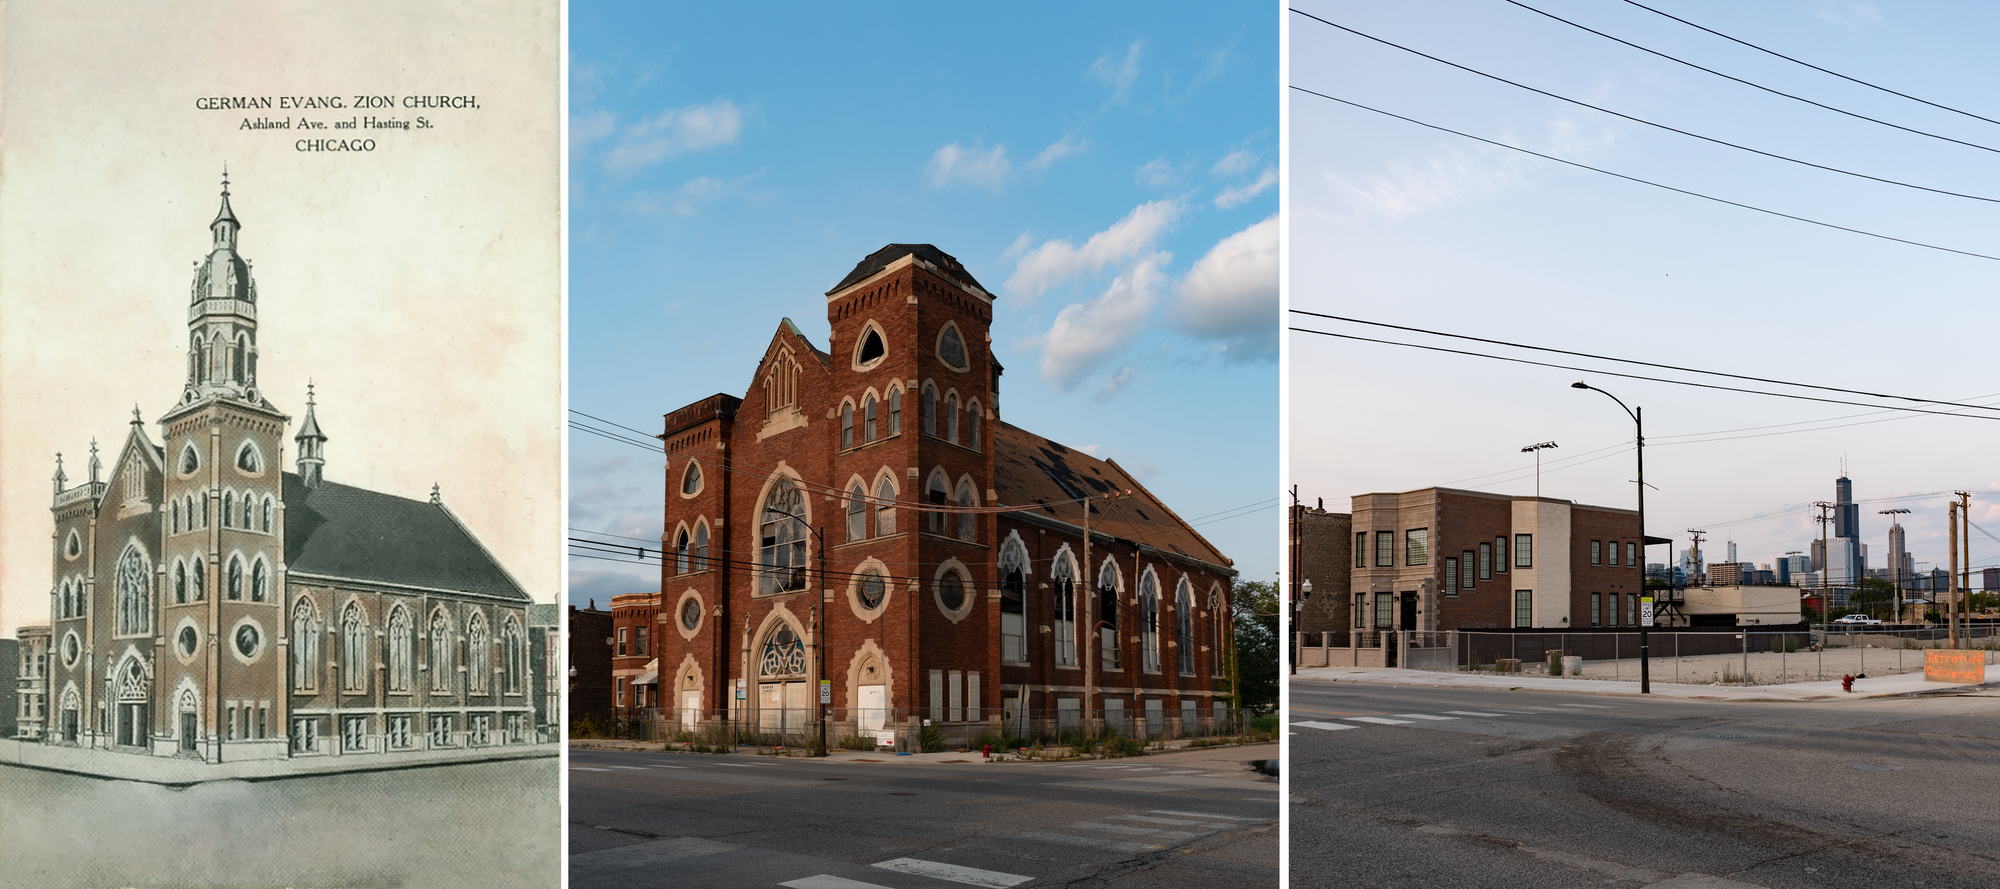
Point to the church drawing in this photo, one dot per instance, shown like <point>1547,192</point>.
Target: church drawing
<point>209,605</point>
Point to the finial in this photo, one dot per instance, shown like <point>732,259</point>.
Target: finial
<point>60,478</point>
<point>435,497</point>
<point>94,464</point>
<point>136,420</point>
<point>225,177</point>
<point>309,392</point>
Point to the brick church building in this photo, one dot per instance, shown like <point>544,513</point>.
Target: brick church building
<point>207,604</point>
<point>865,518</point>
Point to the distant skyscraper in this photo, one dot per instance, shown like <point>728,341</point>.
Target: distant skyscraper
<point>1899,574</point>
<point>1732,552</point>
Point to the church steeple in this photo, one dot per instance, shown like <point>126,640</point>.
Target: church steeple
<point>310,440</point>
<point>222,316</point>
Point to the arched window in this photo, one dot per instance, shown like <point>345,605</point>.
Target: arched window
<point>701,547</point>
<point>247,458</point>
<point>440,657</point>
<point>1149,622</point>
<point>871,347</point>
<point>951,347</point>
<point>176,522</point>
<point>135,600</point>
<point>305,646</point>
<point>972,417</point>
<point>1215,624</point>
<point>868,419</point>
<point>681,553</point>
<point>401,649</point>
<point>1184,626</point>
<point>1013,601</point>
<point>513,656</point>
<point>857,513</point>
<point>951,418</point>
<point>968,525</point>
<point>1062,577</point>
<point>1107,605</point>
<point>270,508</point>
<point>885,507</point>
<point>228,509</point>
<point>180,583</point>
<point>260,581</point>
<point>691,478</point>
<point>478,655</point>
<point>846,425</point>
<point>353,650</point>
<point>896,411</point>
<point>782,548</point>
<point>233,586</point>
<point>930,411</point>
<point>200,579</point>
<point>236,359</point>
<point>938,497</point>
<point>784,655</point>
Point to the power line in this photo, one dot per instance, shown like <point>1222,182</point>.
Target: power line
<point>1713,373</point>
<point>1640,120</point>
<point>1611,373</point>
<point>1694,194</point>
<point>1751,84</point>
<point>1811,65</point>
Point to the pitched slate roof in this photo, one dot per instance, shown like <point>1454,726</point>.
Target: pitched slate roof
<point>336,530</point>
<point>944,262</point>
<point>1028,468</point>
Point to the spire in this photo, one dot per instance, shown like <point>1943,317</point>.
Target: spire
<point>312,462</point>
<point>222,320</point>
<point>60,479</point>
<point>94,464</point>
<point>225,214</point>
<point>436,499</point>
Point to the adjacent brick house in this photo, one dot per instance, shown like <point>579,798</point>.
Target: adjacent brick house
<point>634,669</point>
<point>1445,559</point>
<point>863,516</point>
<point>588,676</point>
<point>1322,551</point>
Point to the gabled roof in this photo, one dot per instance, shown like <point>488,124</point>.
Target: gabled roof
<point>336,530</point>
<point>1028,468</point>
<point>944,262</point>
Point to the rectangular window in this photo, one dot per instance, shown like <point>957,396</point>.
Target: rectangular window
<point>1486,561</point>
<point>1631,609</point>
<point>1360,549</point>
<point>1597,552</point>
<point>1614,610</point>
<point>1360,611</point>
<point>1524,608</point>
<point>1385,549</point>
<point>1450,576</point>
<point>1524,550</point>
<point>399,732</point>
<point>1465,576</point>
<point>642,642</point>
<point>1500,555</point>
<point>354,733</point>
<point>621,641</point>
<point>1597,609</point>
<point>1631,555</point>
<point>620,702</point>
<point>1417,546</point>
<point>1385,608</point>
<point>937,695</point>
<point>1614,553</point>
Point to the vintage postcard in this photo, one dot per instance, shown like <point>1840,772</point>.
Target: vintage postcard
<point>280,443</point>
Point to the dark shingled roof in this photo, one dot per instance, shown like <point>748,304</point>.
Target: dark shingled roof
<point>1028,468</point>
<point>336,530</point>
<point>876,261</point>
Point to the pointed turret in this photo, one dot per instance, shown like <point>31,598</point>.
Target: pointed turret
<point>60,478</point>
<point>95,465</point>
<point>310,441</point>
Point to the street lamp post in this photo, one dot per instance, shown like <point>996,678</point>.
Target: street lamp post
<point>1639,427</point>
<point>1305,592</point>
<point>1538,449</point>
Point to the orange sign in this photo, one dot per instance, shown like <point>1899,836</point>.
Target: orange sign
<point>1964,667</point>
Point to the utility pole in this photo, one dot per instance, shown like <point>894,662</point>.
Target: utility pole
<point>1964,564</point>
<point>1951,579</point>
<point>1292,626</point>
<point>1826,607</point>
<point>1695,560</point>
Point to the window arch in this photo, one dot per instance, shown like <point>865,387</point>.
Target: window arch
<point>930,410</point>
<point>691,479</point>
<point>938,495</point>
<point>868,418</point>
<point>135,600</point>
<point>305,646</point>
<point>846,425</point>
<point>478,655</point>
<point>441,661</point>
<point>260,580</point>
<point>782,541</point>
<point>199,579</point>
<point>681,553</point>
<point>1062,581</point>
<point>401,649</point>
<point>247,458</point>
<point>870,348</point>
<point>270,510</point>
<point>1013,600</point>
<point>885,506</point>
<point>1184,626</point>
<point>951,347</point>
<point>972,420</point>
<point>783,655</point>
<point>233,579</point>
<point>1107,605</point>
<point>513,656</point>
<point>968,524</point>
<point>857,513</point>
<point>228,509</point>
<point>1149,621</point>
<point>1215,625</point>
<point>180,582</point>
<point>353,650</point>
<point>176,520</point>
<point>895,410</point>
<point>701,546</point>
<point>951,417</point>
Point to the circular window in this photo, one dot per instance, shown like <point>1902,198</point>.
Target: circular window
<point>187,640</point>
<point>691,613</point>
<point>72,649</point>
<point>248,640</point>
<point>951,592</point>
<point>872,590</point>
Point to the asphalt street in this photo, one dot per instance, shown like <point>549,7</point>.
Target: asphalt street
<point>1457,787</point>
<point>1196,818</point>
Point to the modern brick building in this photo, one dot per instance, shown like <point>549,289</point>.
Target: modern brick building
<point>864,517</point>
<point>1445,559</point>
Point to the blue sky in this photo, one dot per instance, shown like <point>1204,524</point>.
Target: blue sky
<point>1109,171</point>
<point>1396,223</point>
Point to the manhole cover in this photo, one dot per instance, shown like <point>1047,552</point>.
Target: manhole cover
<point>1876,767</point>
<point>1732,737</point>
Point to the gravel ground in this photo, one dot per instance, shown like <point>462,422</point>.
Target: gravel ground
<point>1873,655</point>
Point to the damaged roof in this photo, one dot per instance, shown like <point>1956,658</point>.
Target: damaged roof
<point>944,262</point>
<point>1028,468</point>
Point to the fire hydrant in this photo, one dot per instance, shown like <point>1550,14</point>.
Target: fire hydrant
<point>1847,683</point>
<point>987,753</point>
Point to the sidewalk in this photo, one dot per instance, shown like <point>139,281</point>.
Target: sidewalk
<point>1219,752</point>
<point>1829,690</point>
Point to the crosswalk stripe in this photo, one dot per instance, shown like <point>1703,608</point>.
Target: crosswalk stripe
<point>971,876</point>
<point>1328,726</point>
<point>1157,832</point>
<point>1206,815</point>
<point>1062,839</point>
<point>1472,713</point>
<point>1376,720</point>
<point>1423,716</point>
<point>829,881</point>
<point>1149,819</point>
<point>1592,706</point>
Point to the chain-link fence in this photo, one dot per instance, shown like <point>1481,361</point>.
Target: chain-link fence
<point>904,730</point>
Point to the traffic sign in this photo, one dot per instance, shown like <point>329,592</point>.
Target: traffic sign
<point>826,691</point>
<point>1646,611</point>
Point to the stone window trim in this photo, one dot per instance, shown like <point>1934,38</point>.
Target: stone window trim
<point>857,603</point>
<point>944,347</point>
<point>181,651</point>
<point>794,538</point>
<point>250,461</point>
<point>875,355</point>
<point>953,568</point>
<point>680,603</point>
<point>692,481</point>
<point>238,635</point>
<point>190,461</point>
<point>1016,574</point>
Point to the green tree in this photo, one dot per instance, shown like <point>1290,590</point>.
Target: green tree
<point>1253,671</point>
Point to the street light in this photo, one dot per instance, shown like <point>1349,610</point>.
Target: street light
<point>1639,426</point>
<point>1538,448</point>
<point>1305,592</point>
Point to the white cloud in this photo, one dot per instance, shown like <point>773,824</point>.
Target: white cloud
<point>1406,189</point>
<point>1231,197</point>
<point>692,195</point>
<point>1127,239</point>
<point>1116,382</point>
<point>1085,334</point>
<point>672,132</point>
<point>1231,294</point>
<point>1120,75</point>
<point>1852,16</point>
<point>1235,163</point>
<point>1157,173</point>
<point>589,127</point>
<point>991,168</point>
<point>1057,150</point>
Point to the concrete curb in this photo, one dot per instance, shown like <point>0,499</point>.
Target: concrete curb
<point>1899,685</point>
